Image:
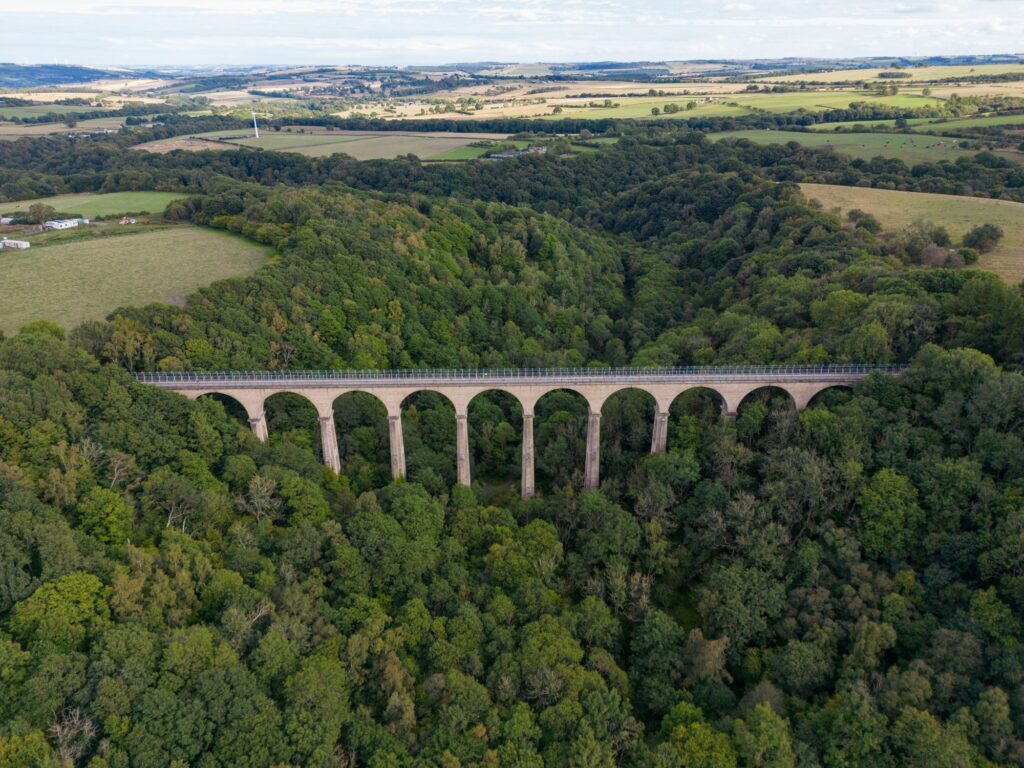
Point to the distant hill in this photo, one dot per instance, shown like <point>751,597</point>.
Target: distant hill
<point>17,76</point>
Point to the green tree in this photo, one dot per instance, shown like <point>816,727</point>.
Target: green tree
<point>921,741</point>
<point>698,745</point>
<point>889,515</point>
<point>61,613</point>
<point>983,237</point>
<point>762,739</point>
<point>106,515</point>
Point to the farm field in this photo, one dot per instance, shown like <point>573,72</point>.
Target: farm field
<point>917,74</point>
<point>958,214</point>
<point>818,100</point>
<point>540,104</point>
<point>909,148</point>
<point>36,110</point>
<point>640,108</point>
<point>969,122</point>
<point>362,145</point>
<point>282,142</point>
<point>928,123</point>
<point>472,153</point>
<point>86,280</point>
<point>17,130</point>
<point>96,205</point>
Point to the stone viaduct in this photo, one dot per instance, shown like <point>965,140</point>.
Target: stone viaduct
<point>322,388</point>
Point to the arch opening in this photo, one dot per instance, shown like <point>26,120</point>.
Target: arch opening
<point>627,422</point>
<point>232,407</point>
<point>428,430</point>
<point>361,424</point>
<point>560,430</point>
<point>693,415</point>
<point>293,418</point>
<point>495,441</point>
<point>761,410</point>
<point>832,395</point>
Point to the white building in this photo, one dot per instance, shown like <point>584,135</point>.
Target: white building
<point>18,245</point>
<point>63,223</point>
<point>6,219</point>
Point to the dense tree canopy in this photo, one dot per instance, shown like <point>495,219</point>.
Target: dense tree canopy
<point>842,586</point>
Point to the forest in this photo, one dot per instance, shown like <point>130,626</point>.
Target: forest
<point>843,586</point>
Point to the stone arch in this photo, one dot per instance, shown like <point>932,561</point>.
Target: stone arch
<point>808,398</point>
<point>360,421</point>
<point>496,435</point>
<point>234,405</point>
<point>627,421</point>
<point>562,419</point>
<point>530,396</point>
<point>764,391</point>
<point>250,403</point>
<point>430,429</point>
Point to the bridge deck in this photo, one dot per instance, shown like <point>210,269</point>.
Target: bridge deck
<point>514,376</point>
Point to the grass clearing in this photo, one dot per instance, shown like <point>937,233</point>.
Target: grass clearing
<point>98,205</point>
<point>910,148</point>
<point>958,214</point>
<point>87,279</point>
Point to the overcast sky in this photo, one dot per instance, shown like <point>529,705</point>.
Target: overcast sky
<point>101,32</point>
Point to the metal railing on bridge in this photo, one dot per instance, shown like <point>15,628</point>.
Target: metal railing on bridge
<point>707,372</point>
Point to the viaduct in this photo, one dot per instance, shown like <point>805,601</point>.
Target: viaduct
<point>321,388</point>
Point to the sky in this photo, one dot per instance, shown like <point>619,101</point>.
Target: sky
<point>402,32</point>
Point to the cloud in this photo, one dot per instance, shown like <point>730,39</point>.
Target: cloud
<point>107,32</point>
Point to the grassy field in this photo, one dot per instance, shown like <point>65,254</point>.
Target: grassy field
<point>472,153</point>
<point>957,214</point>
<point>86,280</point>
<point>640,108</point>
<point>967,122</point>
<point>362,145</point>
<point>817,101</point>
<point>35,110</point>
<point>917,74</point>
<point>282,142</point>
<point>909,148</point>
<point>108,204</point>
<point>928,123</point>
<point>17,130</point>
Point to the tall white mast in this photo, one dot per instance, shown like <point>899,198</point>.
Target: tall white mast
<point>255,127</point>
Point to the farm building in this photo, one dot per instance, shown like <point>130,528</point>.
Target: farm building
<point>63,223</point>
<point>17,245</point>
<point>6,220</point>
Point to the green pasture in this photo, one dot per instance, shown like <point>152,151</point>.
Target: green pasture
<point>87,279</point>
<point>910,148</point>
<point>36,110</point>
<point>640,108</point>
<point>917,74</point>
<point>818,101</point>
<point>98,205</point>
<point>896,210</point>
